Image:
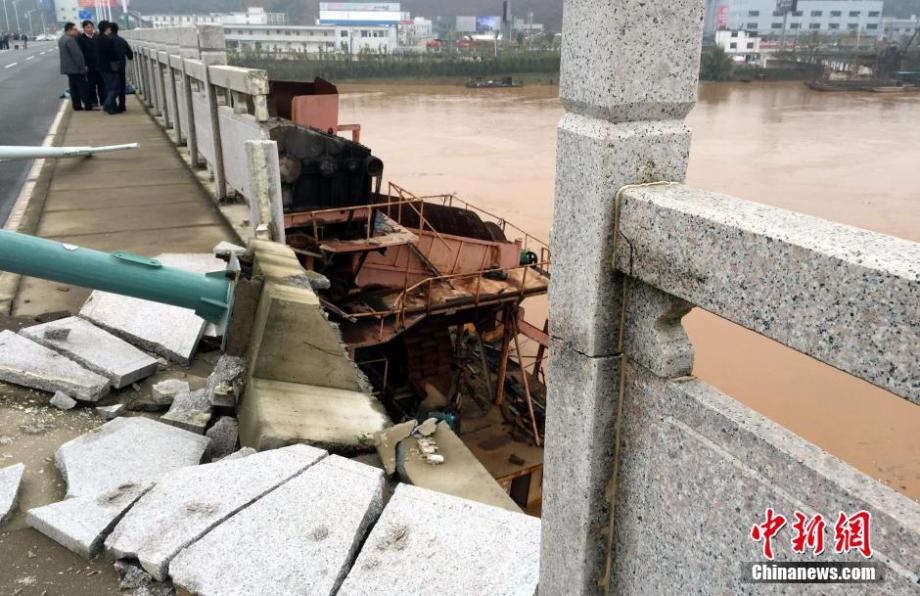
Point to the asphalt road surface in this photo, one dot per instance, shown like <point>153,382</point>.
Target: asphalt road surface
<point>30,88</point>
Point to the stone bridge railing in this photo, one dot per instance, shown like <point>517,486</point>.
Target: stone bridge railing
<point>217,112</point>
<point>653,478</point>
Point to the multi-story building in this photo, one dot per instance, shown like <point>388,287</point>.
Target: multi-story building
<point>824,17</point>
<point>737,43</point>
<point>895,28</point>
<point>252,16</point>
<point>315,38</point>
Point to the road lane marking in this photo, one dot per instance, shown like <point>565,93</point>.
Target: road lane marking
<point>30,57</point>
<point>11,65</point>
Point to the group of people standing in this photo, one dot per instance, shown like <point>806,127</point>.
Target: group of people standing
<point>6,38</point>
<point>95,65</point>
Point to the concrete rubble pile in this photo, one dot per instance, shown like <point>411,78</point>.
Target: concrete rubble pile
<point>286,512</point>
<point>106,470</point>
<point>293,520</point>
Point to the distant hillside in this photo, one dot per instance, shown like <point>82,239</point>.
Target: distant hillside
<point>548,12</point>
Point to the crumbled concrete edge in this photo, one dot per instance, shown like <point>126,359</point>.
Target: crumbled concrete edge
<point>10,482</point>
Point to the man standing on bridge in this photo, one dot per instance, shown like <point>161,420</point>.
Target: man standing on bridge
<point>95,92</point>
<point>73,65</point>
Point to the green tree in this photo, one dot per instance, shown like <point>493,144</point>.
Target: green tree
<point>716,65</point>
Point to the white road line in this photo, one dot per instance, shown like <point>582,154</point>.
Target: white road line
<point>11,65</point>
<point>30,57</point>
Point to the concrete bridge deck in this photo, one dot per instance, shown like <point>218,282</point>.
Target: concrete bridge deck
<point>144,201</point>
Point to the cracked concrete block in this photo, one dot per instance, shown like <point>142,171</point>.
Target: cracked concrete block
<point>62,401</point>
<point>594,159</point>
<point>225,383</point>
<point>442,462</point>
<point>244,452</point>
<point>225,249</point>
<point>81,524</point>
<point>188,503</point>
<point>24,362</point>
<point>131,576</point>
<point>10,479</point>
<point>299,539</point>
<point>580,425</point>
<point>95,349</point>
<point>431,543</point>
<point>224,435</point>
<point>190,411</point>
<point>164,392</point>
<point>170,331</point>
<point>111,412</point>
<point>125,450</point>
<point>274,414</point>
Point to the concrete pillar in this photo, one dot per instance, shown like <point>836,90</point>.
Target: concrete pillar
<point>211,47</point>
<point>264,193</point>
<point>188,49</point>
<point>629,77</point>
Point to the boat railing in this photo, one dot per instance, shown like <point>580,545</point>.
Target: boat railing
<point>528,241</point>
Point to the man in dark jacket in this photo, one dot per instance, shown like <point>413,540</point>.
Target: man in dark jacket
<point>123,49</point>
<point>73,65</point>
<point>109,65</point>
<point>95,92</point>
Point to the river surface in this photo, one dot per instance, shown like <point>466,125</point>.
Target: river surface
<point>851,158</point>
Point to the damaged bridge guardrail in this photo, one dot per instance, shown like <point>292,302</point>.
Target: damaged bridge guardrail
<point>654,479</point>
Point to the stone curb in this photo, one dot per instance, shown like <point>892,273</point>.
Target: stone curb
<point>26,211</point>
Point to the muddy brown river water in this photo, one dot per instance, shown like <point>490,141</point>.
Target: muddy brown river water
<point>851,158</point>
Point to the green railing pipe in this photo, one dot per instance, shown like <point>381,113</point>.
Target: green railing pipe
<point>209,295</point>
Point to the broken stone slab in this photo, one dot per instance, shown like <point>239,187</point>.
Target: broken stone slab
<point>164,392</point>
<point>131,576</point>
<point>442,462</point>
<point>10,479</point>
<point>125,450</point>
<point>24,362</point>
<point>244,452</point>
<point>111,412</point>
<point>62,401</point>
<point>190,411</point>
<point>226,381</point>
<point>275,413</point>
<point>387,440</point>
<point>224,249</point>
<point>81,524</point>
<point>224,435</point>
<point>188,503</point>
<point>95,349</point>
<point>430,543</point>
<point>170,331</point>
<point>298,539</point>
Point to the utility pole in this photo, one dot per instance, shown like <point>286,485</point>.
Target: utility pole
<point>16,12</point>
<point>6,15</point>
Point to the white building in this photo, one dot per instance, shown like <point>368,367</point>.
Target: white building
<point>315,38</point>
<point>896,29</point>
<point>64,10</point>
<point>415,31</point>
<point>825,17</point>
<point>740,45</point>
<point>252,16</point>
